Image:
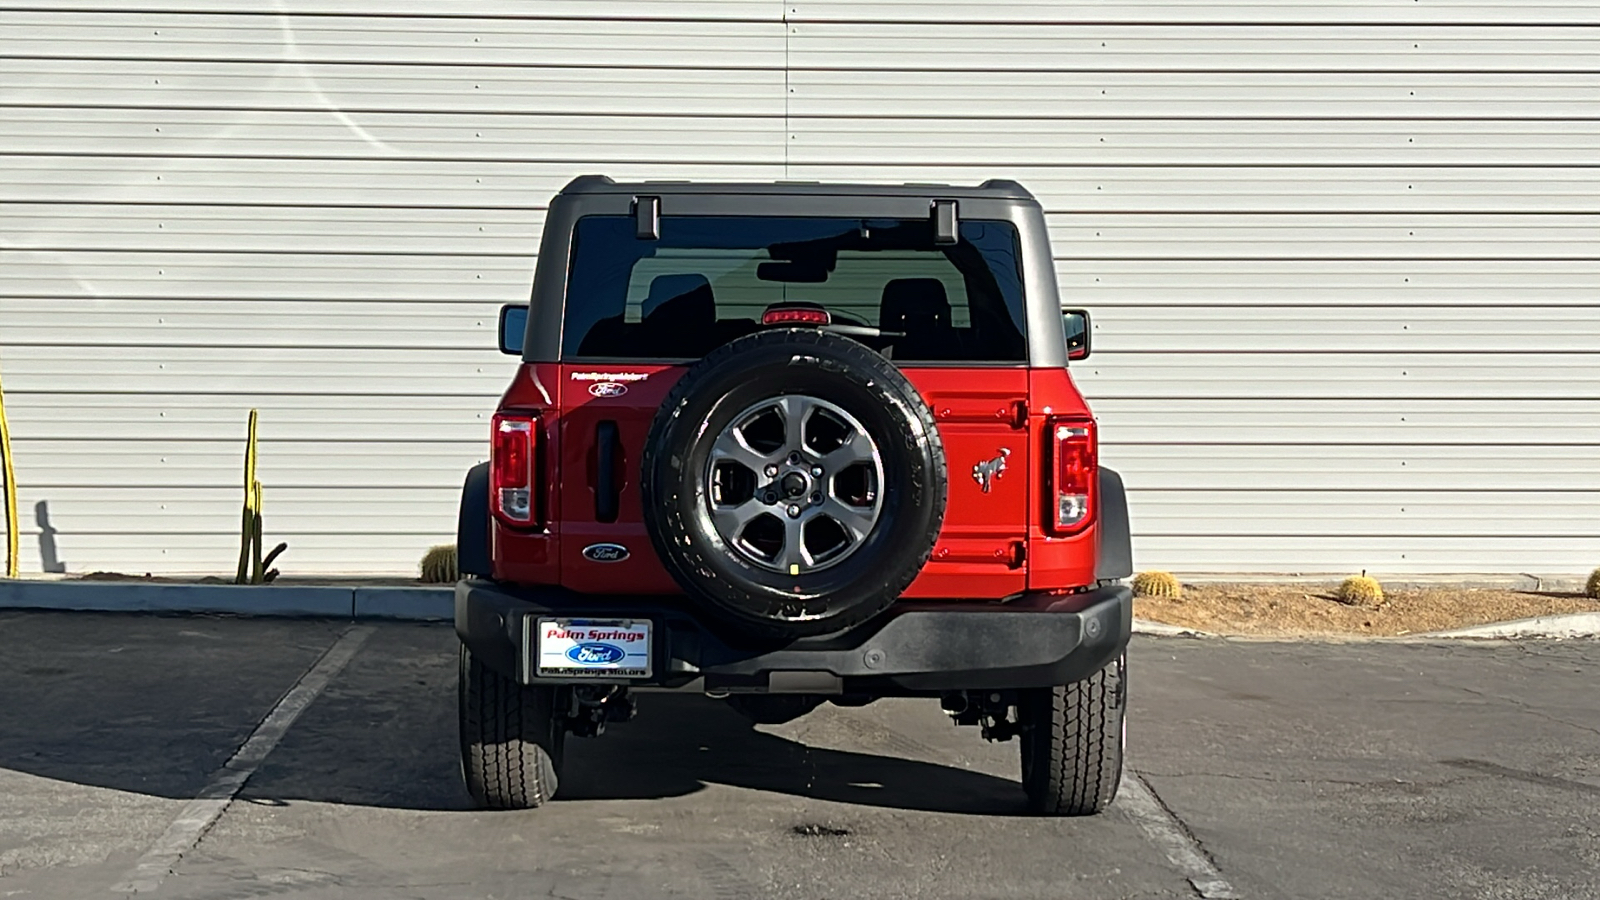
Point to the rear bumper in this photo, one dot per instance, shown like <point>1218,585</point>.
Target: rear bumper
<point>1035,640</point>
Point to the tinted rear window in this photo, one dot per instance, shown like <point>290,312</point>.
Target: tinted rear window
<point>707,280</point>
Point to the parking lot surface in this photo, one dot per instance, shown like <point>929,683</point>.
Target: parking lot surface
<point>1300,770</point>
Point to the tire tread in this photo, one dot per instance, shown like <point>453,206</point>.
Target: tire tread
<point>510,743</point>
<point>1073,748</point>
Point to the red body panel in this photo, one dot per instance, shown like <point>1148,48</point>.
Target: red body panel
<point>643,388</point>
<point>1054,562</point>
<point>981,416</point>
<point>992,544</point>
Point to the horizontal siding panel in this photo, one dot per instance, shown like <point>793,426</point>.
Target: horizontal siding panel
<point>1352,464</point>
<point>489,91</point>
<point>436,40</point>
<point>1283,424</point>
<point>1365,282</point>
<point>319,134</point>
<point>1204,12</point>
<point>1400,236</point>
<point>1112,47</point>
<point>1107,97</point>
<point>272,229</point>
<point>1212,140</point>
<point>519,10</point>
<point>346,551</point>
<point>1308,329</point>
<point>1395,376</point>
<point>306,465</point>
<point>1356,513</point>
<point>375,181</point>
<point>294,370</point>
<point>1107,189</point>
<point>112,324</point>
<point>88,510</point>
<point>178,417</point>
<point>167,275</point>
<point>1382,556</point>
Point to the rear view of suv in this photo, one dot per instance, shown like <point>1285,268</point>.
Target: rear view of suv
<point>790,444</point>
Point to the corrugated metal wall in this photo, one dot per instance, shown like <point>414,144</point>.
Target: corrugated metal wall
<point>1342,255</point>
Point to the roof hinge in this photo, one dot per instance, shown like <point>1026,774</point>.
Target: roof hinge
<point>946,225</point>
<point>647,218</point>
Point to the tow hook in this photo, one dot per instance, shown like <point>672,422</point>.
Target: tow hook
<point>592,706</point>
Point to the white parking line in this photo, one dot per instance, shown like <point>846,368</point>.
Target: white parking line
<point>1140,804</point>
<point>200,813</point>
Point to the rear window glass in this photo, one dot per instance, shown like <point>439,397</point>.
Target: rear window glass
<point>708,279</point>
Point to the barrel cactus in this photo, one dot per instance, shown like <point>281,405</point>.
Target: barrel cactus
<point>1359,590</point>
<point>1157,584</point>
<point>439,565</point>
<point>1592,589</point>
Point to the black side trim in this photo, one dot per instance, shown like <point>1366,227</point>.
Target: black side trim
<point>472,527</point>
<point>1115,557</point>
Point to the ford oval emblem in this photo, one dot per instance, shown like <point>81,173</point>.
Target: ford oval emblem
<point>605,553</point>
<point>608,389</point>
<point>592,654</point>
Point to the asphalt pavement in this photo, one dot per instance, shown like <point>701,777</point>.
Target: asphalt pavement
<point>1298,770</point>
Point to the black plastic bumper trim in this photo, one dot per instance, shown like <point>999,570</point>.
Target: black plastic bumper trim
<point>921,647</point>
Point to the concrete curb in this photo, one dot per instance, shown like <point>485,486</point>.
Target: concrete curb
<point>1162,629</point>
<point>1571,625</point>
<point>413,603</point>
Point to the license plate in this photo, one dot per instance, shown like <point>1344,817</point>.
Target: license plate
<point>593,648</point>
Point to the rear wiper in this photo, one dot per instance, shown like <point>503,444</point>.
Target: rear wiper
<point>861,331</point>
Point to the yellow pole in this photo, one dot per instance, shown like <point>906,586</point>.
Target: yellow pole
<point>252,495</point>
<point>11,490</point>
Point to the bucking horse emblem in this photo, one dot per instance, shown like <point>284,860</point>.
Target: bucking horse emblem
<point>986,472</point>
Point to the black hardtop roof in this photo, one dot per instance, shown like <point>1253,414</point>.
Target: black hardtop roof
<point>993,189</point>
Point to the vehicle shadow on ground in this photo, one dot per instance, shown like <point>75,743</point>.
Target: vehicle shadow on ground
<point>154,706</point>
<point>678,744</point>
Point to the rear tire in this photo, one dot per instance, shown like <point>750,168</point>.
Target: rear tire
<point>512,739</point>
<point>1072,742</point>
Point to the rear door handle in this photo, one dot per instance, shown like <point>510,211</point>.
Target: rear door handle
<point>607,492</point>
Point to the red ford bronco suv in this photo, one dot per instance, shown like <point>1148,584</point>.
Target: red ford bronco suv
<point>789,444</point>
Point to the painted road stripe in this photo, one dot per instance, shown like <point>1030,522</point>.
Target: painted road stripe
<point>1140,804</point>
<point>203,811</point>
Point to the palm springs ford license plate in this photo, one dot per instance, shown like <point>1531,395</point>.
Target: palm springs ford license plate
<point>593,648</point>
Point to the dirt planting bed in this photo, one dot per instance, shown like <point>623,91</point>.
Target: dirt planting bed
<point>1313,609</point>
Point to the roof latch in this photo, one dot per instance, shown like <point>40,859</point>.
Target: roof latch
<point>647,218</point>
<point>946,228</point>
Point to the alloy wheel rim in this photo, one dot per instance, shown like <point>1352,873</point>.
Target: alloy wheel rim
<point>794,484</point>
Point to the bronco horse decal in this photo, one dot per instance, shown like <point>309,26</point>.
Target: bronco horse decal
<point>988,470</point>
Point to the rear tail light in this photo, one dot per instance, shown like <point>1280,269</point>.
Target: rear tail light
<point>1074,472</point>
<point>512,484</point>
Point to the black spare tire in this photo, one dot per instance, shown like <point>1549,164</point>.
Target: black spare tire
<point>794,482</point>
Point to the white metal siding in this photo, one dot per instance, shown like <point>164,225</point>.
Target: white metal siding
<point>1341,255</point>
